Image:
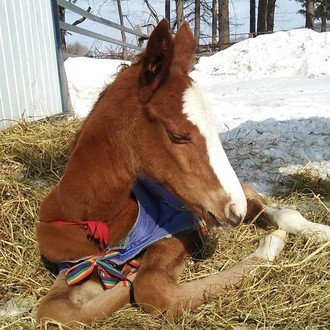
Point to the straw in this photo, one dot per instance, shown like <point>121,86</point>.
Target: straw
<point>291,294</point>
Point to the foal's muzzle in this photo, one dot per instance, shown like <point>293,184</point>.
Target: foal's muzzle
<point>232,218</point>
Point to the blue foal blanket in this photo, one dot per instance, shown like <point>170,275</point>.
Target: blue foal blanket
<point>161,215</point>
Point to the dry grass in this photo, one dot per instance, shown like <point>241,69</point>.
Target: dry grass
<point>291,294</point>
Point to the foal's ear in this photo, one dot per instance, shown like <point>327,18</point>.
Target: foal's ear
<point>156,61</point>
<point>184,48</point>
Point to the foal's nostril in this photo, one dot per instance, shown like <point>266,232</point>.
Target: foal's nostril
<point>234,217</point>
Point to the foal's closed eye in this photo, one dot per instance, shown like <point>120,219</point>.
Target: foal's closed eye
<point>178,138</point>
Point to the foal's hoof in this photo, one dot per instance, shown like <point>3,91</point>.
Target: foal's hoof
<point>271,245</point>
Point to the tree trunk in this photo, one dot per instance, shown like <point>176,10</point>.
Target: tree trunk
<point>168,10</point>
<point>262,16</point>
<point>197,20</point>
<point>310,14</point>
<point>214,20</point>
<point>219,18</point>
<point>61,17</point>
<point>323,24</point>
<point>252,18</point>
<point>224,22</point>
<point>179,13</point>
<point>270,15</point>
<point>324,7</point>
<point>123,35</point>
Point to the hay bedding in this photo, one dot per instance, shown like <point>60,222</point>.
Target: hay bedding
<point>293,293</point>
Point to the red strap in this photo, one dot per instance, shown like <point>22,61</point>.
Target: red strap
<point>62,222</point>
<point>96,230</point>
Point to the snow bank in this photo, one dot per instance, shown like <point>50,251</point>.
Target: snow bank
<point>87,77</point>
<point>283,54</point>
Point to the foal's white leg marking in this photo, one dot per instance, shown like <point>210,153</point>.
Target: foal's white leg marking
<point>294,223</point>
<point>198,111</point>
<point>270,246</point>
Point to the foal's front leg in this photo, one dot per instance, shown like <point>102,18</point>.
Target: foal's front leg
<point>256,204</point>
<point>155,286</point>
<point>85,303</point>
<point>288,220</point>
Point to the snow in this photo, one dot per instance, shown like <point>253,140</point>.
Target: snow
<point>270,96</point>
<point>87,77</point>
<point>303,53</point>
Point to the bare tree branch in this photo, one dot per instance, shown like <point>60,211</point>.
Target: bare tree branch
<point>79,21</point>
<point>152,11</point>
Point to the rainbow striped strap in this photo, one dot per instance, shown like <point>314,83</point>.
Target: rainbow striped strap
<point>130,267</point>
<point>79,271</point>
<point>107,271</point>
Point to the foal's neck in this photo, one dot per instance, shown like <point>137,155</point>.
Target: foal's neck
<point>100,171</point>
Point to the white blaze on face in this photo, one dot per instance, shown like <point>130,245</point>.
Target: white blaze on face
<point>198,110</point>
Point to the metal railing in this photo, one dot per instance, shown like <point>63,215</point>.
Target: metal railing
<point>69,27</point>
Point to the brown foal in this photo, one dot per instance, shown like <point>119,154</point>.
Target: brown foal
<point>151,120</point>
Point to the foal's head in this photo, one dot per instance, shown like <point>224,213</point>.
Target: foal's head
<point>179,144</point>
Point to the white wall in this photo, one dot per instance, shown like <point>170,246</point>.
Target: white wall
<point>29,79</point>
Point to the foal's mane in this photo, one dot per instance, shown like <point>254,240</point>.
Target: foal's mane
<point>137,59</point>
